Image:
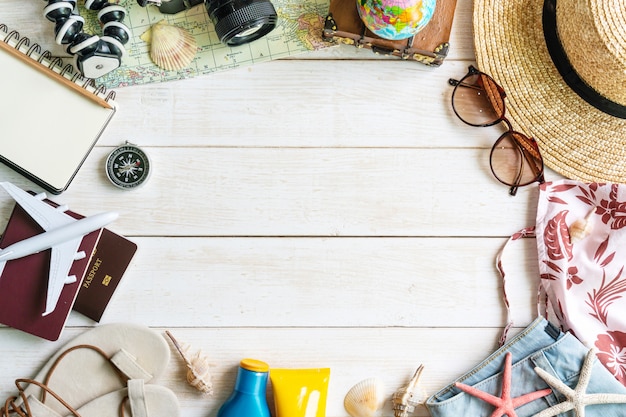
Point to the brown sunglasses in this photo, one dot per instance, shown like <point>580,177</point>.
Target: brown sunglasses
<point>479,101</point>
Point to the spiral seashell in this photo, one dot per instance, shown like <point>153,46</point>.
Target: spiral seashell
<point>581,228</point>
<point>171,47</point>
<point>198,375</point>
<point>365,398</point>
<point>406,398</point>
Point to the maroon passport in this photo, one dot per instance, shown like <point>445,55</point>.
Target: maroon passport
<point>108,264</point>
<point>23,283</point>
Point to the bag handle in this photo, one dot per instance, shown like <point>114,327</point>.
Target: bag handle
<point>542,299</point>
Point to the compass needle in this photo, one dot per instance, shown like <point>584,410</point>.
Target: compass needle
<point>128,166</point>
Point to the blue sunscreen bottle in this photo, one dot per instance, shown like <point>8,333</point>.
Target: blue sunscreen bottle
<point>248,398</point>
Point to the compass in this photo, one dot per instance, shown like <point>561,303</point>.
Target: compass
<point>128,166</point>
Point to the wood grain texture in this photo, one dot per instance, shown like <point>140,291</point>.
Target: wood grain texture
<point>326,210</point>
<point>279,191</point>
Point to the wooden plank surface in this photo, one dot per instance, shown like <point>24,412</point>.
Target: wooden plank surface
<point>326,210</point>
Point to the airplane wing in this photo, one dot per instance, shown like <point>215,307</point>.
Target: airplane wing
<point>63,254</point>
<point>62,257</point>
<point>43,213</point>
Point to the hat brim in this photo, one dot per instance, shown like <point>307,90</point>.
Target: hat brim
<point>576,139</point>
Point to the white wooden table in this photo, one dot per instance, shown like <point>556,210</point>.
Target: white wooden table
<point>322,211</point>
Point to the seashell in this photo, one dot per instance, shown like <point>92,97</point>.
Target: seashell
<point>198,375</point>
<point>171,47</point>
<point>581,228</point>
<point>365,398</point>
<point>405,399</point>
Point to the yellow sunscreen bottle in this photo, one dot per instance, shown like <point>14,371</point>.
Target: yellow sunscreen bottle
<point>300,392</point>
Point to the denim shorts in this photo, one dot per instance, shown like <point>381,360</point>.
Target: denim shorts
<point>541,344</point>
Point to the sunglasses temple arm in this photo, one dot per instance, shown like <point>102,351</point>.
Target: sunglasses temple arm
<point>528,157</point>
<point>538,173</point>
<point>456,83</point>
<point>513,189</point>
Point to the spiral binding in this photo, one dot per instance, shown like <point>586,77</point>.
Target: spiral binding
<point>34,51</point>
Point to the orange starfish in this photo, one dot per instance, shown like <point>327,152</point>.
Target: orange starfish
<point>505,405</point>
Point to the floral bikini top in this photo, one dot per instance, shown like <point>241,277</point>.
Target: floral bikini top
<point>581,246</point>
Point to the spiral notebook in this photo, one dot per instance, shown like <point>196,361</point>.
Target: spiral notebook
<point>50,115</point>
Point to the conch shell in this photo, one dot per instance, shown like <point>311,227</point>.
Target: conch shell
<point>171,47</point>
<point>581,228</point>
<point>405,399</point>
<point>365,398</point>
<point>198,375</point>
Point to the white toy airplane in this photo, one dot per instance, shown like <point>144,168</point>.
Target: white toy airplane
<point>63,234</point>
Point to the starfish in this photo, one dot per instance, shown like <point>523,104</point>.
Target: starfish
<point>577,398</point>
<point>505,405</point>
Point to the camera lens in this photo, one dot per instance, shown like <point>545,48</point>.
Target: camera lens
<point>171,6</point>
<point>241,21</point>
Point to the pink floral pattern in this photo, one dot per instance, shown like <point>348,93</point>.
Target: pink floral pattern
<point>612,353</point>
<point>600,299</point>
<point>584,281</point>
<point>556,237</point>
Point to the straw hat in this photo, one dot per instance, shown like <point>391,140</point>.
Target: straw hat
<point>576,139</point>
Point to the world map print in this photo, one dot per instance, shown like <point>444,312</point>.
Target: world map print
<point>299,30</point>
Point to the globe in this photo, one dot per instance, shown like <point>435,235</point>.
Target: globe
<point>395,19</point>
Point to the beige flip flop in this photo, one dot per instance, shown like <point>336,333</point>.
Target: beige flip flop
<point>138,400</point>
<point>98,362</point>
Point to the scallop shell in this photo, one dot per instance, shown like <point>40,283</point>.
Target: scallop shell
<point>365,398</point>
<point>406,398</point>
<point>198,375</point>
<point>171,47</point>
<point>581,228</point>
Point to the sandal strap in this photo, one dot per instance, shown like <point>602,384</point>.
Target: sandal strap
<point>39,409</point>
<point>66,353</point>
<point>128,365</point>
<point>125,365</point>
<point>137,398</point>
<point>31,406</point>
<point>11,408</point>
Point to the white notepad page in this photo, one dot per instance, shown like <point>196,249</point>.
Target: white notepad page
<point>46,129</point>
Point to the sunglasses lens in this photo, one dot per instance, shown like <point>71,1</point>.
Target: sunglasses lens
<point>477,100</point>
<point>515,160</point>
